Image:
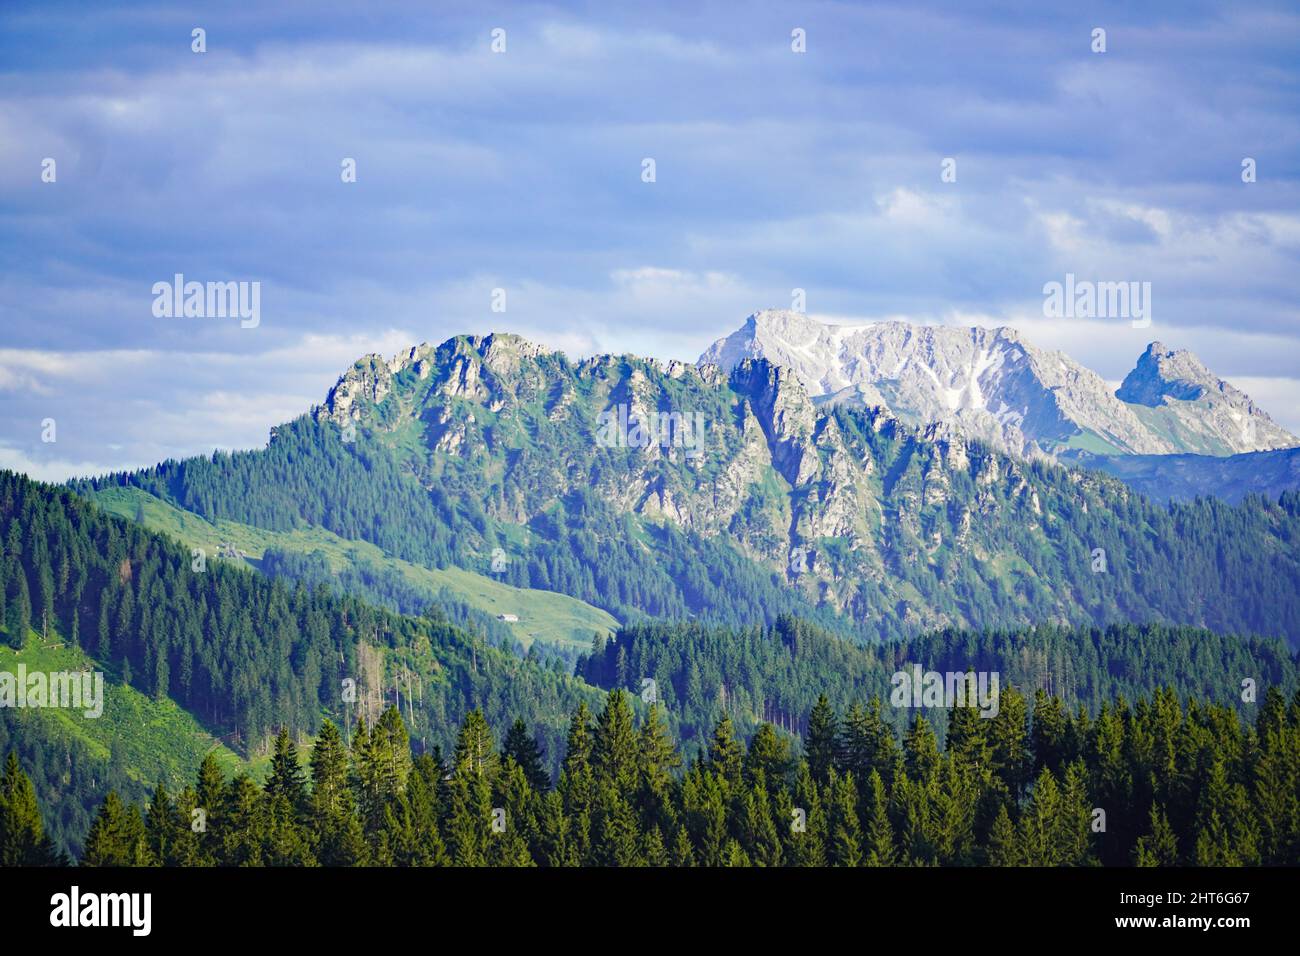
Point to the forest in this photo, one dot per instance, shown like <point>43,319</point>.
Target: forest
<point>262,660</point>
<point>1155,783</point>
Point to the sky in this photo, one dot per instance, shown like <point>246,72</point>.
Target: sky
<point>524,170</point>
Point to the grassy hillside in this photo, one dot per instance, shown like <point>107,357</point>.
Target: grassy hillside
<point>543,616</point>
<point>154,739</point>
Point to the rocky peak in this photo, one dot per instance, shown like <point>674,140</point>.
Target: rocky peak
<point>991,384</point>
<point>1162,371</point>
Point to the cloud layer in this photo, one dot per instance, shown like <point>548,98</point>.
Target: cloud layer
<point>522,171</point>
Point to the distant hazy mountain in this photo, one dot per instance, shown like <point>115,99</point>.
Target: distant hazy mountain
<point>1165,478</point>
<point>993,385</point>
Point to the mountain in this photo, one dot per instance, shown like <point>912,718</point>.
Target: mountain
<point>993,385</point>
<point>1173,392</point>
<point>671,490</point>
<point>1165,478</point>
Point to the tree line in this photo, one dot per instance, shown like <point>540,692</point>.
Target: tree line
<point>1155,783</point>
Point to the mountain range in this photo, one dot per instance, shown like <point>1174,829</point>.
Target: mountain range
<point>451,526</point>
<point>665,489</point>
<point>992,384</point>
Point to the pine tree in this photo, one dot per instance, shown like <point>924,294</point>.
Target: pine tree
<point>23,841</point>
<point>821,742</point>
<point>117,836</point>
<point>1159,847</point>
<point>1004,842</point>
<point>726,757</point>
<point>521,747</point>
<point>880,832</point>
<point>163,828</point>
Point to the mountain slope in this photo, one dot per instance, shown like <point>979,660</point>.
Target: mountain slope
<point>993,385</point>
<point>555,620</point>
<point>246,654</point>
<point>672,490</point>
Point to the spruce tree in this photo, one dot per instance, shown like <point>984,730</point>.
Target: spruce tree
<point>287,779</point>
<point>821,741</point>
<point>521,747</point>
<point>1004,842</point>
<point>879,842</point>
<point>652,849</point>
<point>117,836</point>
<point>768,757</point>
<point>683,853</point>
<point>163,828</point>
<point>726,757</point>
<point>614,744</point>
<point>1159,847</point>
<point>806,828</point>
<point>845,845</point>
<point>23,841</point>
<point>1009,740</point>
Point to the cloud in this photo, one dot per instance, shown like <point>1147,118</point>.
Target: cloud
<point>521,171</point>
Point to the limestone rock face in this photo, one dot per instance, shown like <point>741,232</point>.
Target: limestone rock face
<point>992,385</point>
<point>1204,414</point>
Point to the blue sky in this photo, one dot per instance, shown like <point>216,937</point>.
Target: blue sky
<point>522,171</point>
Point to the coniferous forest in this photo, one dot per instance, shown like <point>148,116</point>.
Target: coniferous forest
<point>1156,782</point>
<point>775,745</point>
